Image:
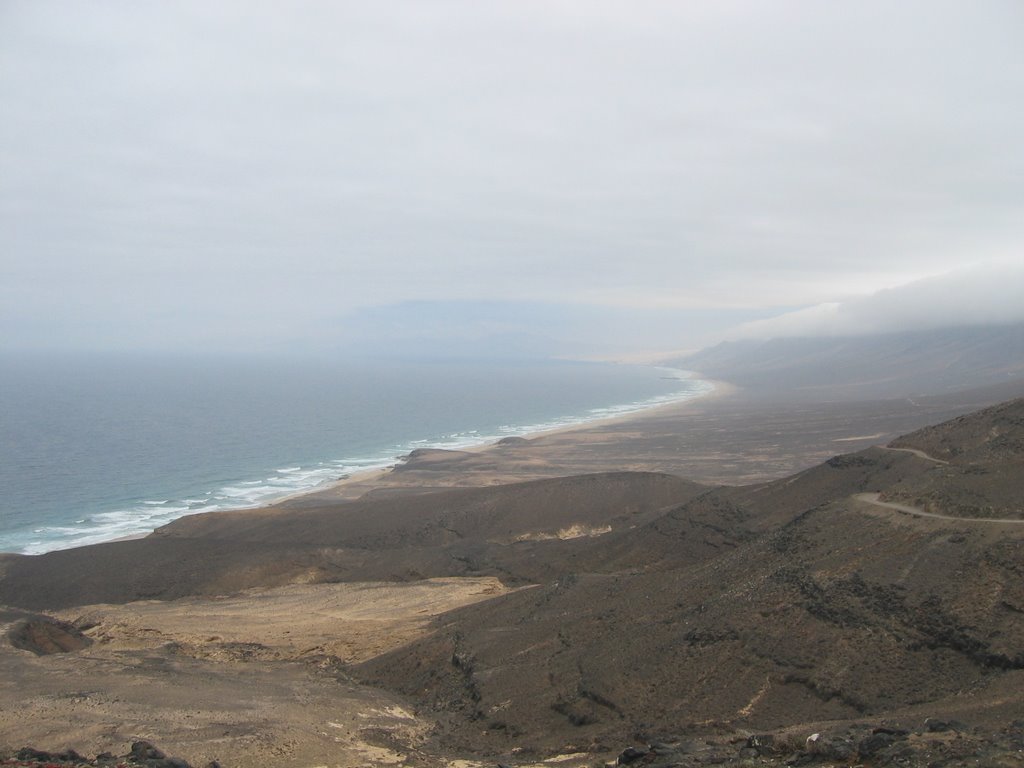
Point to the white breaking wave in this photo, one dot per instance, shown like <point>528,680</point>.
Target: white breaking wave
<point>147,515</point>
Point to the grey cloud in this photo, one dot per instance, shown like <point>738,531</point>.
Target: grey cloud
<point>988,295</point>
<point>252,169</point>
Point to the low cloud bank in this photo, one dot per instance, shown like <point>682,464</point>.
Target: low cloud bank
<point>992,294</point>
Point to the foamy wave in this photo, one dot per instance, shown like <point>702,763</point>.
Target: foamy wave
<point>147,515</point>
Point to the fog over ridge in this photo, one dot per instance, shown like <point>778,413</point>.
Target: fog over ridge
<point>986,295</point>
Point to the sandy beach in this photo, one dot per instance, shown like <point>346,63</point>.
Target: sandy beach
<point>233,635</point>
<point>726,436</point>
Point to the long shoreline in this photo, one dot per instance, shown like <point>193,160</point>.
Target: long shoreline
<point>718,390</point>
<point>366,477</point>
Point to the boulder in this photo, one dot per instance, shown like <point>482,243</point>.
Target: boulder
<point>631,755</point>
<point>143,750</point>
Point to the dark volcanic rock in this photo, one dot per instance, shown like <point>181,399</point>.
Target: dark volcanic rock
<point>142,754</point>
<point>631,755</point>
<point>28,754</point>
<point>143,750</point>
<point>876,742</point>
<point>832,748</point>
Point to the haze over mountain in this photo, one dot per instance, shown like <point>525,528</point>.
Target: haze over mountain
<point>970,298</point>
<point>250,178</point>
<point>974,295</point>
<point>852,367</point>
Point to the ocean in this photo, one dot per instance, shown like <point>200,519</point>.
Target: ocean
<point>101,447</point>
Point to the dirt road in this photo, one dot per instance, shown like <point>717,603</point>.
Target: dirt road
<point>875,498</point>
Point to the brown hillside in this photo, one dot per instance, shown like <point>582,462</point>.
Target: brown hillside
<point>853,598</point>
<point>979,471</point>
<point>459,532</point>
<point>743,609</point>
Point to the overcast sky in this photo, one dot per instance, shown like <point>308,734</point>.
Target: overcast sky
<point>207,175</point>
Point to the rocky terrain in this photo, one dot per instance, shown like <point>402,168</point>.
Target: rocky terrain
<point>142,753</point>
<point>867,610</point>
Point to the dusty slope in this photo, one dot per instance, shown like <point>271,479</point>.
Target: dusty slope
<point>977,472</point>
<point>809,605</point>
<point>253,680</point>
<point>462,532</point>
<point>662,610</point>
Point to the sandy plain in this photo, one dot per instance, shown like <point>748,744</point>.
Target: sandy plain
<point>255,678</point>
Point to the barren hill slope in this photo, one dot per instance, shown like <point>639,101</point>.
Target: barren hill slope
<point>978,467</point>
<point>744,609</point>
<point>989,435</point>
<point>631,607</point>
<point>460,532</point>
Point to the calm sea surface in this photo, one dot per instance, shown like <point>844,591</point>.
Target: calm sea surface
<point>97,448</point>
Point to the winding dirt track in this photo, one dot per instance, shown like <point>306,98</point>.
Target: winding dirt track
<point>875,499</point>
<point>920,454</point>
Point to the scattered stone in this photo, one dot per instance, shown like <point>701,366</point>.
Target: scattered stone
<point>874,743</point>
<point>142,754</point>
<point>835,749</point>
<point>27,753</point>
<point>761,742</point>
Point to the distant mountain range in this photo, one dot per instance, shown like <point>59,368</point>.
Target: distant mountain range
<point>866,367</point>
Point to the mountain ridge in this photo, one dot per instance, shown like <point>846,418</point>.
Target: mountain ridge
<point>914,363</point>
